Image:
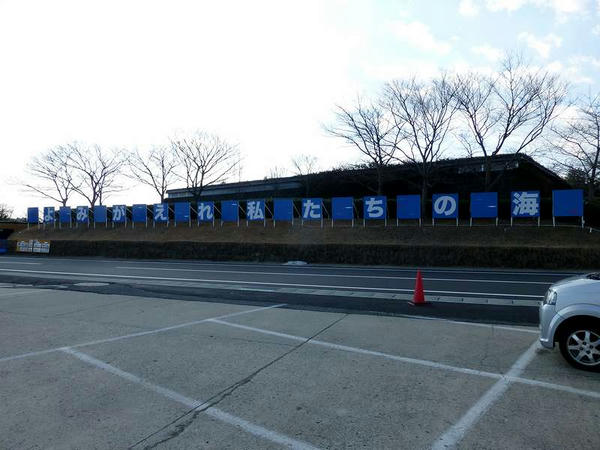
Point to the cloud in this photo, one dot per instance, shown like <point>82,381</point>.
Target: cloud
<point>406,68</point>
<point>421,69</point>
<point>542,45</point>
<point>418,35</point>
<point>566,6</point>
<point>596,30</point>
<point>468,8</point>
<point>505,5</point>
<point>560,7</point>
<point>580,60</point>
<point>490,53</point>
<point>570,72</point>
<point>555,66</point>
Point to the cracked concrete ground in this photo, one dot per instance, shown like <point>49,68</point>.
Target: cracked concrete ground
<point>157,373</point>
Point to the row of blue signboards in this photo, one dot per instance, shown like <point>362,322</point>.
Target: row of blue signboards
<point>565,203</point>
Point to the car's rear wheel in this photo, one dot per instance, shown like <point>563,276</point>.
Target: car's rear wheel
<point>580,345</point>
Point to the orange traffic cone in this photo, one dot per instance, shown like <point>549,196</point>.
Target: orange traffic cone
<point>419,297</point>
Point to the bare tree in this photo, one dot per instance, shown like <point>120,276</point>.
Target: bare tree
<point>156,168</point>
<point>274,175</point>
<point>576,144</point>
<point>304,166</point>
<point>5,211</point>
<point>54,179</point>
<point>276,172</point>
<point>370,129</point>
<point>423,115</point>
<point>97,171</point>
<point>509,111</point>
<point>206,159</point>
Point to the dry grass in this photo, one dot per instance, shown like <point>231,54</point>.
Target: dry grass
<point>283,233</point>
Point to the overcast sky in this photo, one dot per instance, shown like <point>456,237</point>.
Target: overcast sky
<point>263,74</point>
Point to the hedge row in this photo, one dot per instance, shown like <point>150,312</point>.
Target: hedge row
<point>412,255</point>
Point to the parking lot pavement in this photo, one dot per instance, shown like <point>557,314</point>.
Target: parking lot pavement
<point>38,319</point>
<point>56,401</point>
<point>532,417</point>
<point>477,347</point>
<point>83,370</point>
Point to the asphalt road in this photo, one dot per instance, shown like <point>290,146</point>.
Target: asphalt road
<point>478,294</point>
<point>514,284</point>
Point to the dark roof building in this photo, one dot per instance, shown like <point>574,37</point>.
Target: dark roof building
<point>464,175</point>
<point>280,187</point>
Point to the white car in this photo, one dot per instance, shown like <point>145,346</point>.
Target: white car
<point>570,315</point>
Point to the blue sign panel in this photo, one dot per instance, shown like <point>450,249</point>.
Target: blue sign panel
<point>283,209</point>
<point>525,204</point>
<point>139,214</point>
<point>312,208</point>
<point>445,206</point>
<point>33,215</point>
<point>567,203</point>
<point>182,212</point>
<point>206,211</point>
<point>100,215</point>
<point>82,214</point>
<point>49,214</point>
<point>408,207</point>
<point>255,210</point>
<point>119,213</point>
<point>230,211</point>
<point>342,208</point>
<point>160,212</point>
<point>375,207</point>
<point>484,205</point>
<point>64,214</point>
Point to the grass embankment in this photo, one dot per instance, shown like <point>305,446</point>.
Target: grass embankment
<point>343,234</point>
<point>518,247</point>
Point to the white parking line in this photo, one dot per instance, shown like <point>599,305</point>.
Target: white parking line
<point>187,324</point>
<point>132,335</point>
<point>420,362</point>
<point>215,413</point>
<point>554,386</point>
<point>263,283</point>
<point>9,294</point>
<point>511,377</point>
<point>457,432</point>
<point>531,330</point>
<point>23,263</point>
<point>369,277</point>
